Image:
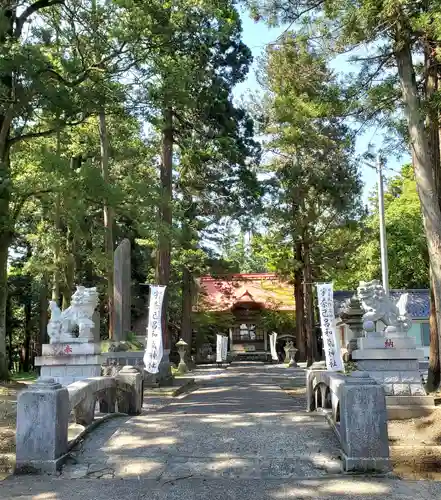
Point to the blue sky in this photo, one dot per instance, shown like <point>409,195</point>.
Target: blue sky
<point>257,36</point>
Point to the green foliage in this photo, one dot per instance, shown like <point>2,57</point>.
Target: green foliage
<point>313,185</point>
<point>129,62</point>
<point>208,324</point>
<point>407,247</point>
<point>282,322</point>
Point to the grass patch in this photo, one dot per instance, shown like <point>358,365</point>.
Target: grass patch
<point>24,376</point>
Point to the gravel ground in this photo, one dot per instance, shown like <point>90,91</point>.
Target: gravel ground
<point>415,446</point>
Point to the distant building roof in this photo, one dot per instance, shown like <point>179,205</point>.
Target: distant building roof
<point>264,290</point>
<point>418,305</point>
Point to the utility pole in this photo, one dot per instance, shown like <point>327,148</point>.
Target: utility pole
<point>383,240</point>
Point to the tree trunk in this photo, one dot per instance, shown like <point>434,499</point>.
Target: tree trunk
<point>432,124</point>
<point>57,246</point>
<point>9,320</point>
<point>309,304</point>
<point>108,220</point>
<point>422,163</point>
<point>163,255</point>
<point>186,327</point>
<point>187,288</point>
<point>299,302</point>
<point>69,270</point>
<point>433,378</point>
<point>5,238</point>
<point>28,333</point>
<point>43,306</point>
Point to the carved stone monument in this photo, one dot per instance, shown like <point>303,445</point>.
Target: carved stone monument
<point>73,352</point>
<point>386,352</point>
<point>122,291</point>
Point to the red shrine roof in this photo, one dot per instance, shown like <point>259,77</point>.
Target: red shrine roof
<point>263,290</point>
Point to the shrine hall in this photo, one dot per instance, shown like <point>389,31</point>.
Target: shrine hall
<point>247,299</point>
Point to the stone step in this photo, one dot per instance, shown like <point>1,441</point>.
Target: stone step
<point>410,400</point>
<point>246,364</point>
<point>404,412</point>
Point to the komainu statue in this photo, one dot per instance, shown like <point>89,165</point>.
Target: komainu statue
<point>379,307</point>
<point>79,314</point>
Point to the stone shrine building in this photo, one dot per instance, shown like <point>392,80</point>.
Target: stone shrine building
<point>245,299</point>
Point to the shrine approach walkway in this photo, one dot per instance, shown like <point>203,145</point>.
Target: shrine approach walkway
<point>239,435</point>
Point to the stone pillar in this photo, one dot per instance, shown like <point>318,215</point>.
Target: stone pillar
<point>165,377</point>
<point>96,326</point>
<point>122,291</point>
<point>42,422</point>
<point>130,402</point>
<point>363,425</point>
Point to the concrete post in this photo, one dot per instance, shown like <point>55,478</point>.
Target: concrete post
<point>42,422</point>
<point>383,239</point>
<point>130,402</point>
<point>363,427</point>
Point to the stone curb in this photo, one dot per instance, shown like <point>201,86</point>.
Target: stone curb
<point>87,430</point>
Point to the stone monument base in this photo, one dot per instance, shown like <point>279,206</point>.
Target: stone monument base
<point>397,369</point>
<point>70,362</point>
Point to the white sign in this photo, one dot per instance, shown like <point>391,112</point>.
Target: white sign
<point>154,350</point>
<point>219,344</point>
<point>273,341</point>
<point>224,348</point>
<point>334,360</point>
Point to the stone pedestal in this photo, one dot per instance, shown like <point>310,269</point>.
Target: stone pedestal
<point>42,421</point>
<point>69,362</point>
<point>122,291</point>
<point>393,362</point>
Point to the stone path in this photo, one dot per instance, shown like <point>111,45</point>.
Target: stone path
<point>238,424</point>
<point>238,436</point>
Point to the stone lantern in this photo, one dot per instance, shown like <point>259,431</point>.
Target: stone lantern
<point>352,316</point>
<point>182,349</point>
<point>290,354</point>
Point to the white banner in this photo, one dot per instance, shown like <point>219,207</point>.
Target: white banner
<point>273,342</point>
<point>219,348</point>
<point>224,348</point>
<point>334,360</point>
<point>154,350</point>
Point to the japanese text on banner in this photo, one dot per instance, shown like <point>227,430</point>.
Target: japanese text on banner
<point>154,349</point>
<point>325,296</point>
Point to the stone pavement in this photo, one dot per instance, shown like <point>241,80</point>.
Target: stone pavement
<point>238,436</point>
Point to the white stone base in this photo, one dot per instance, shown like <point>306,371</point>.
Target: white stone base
<point>71,349</point>
<point>68,363</point>
<point>388,353</point>
<point>396,369</point>
<point>381,343</point>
